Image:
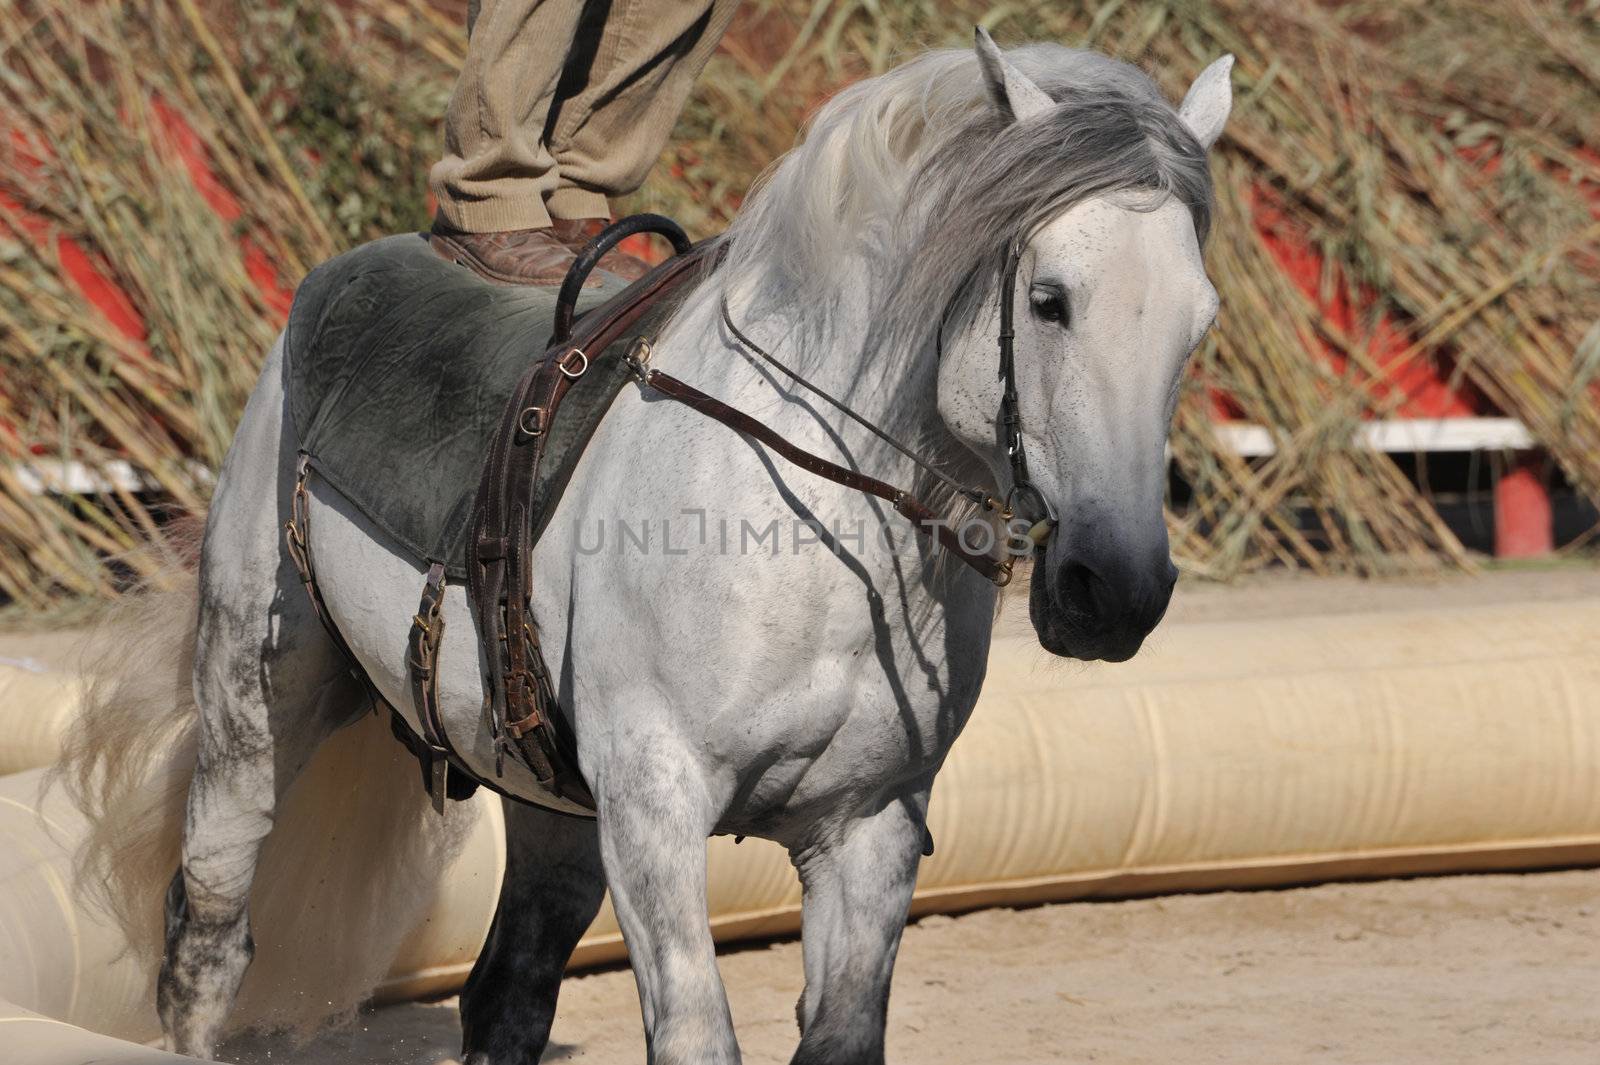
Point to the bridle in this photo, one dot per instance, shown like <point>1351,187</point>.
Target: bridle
<point>1024,493</point>
<point>1023,501</point>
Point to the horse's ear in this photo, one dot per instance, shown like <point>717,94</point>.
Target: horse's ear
<point>1206,105</point>
<point>1013,93</point>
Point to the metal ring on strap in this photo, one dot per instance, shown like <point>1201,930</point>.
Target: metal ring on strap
<point>583,363</point>
<point>583,266</point>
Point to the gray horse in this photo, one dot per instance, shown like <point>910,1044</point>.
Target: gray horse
<point>781,657</point>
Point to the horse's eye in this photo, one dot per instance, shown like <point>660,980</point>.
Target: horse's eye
<point>1048,304</point>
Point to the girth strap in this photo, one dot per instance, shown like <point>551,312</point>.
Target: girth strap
<point>433,750</point>
<point>297,542</point>
<point>422,661</point>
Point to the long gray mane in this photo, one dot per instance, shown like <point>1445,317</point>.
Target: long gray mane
<point>913,183</point>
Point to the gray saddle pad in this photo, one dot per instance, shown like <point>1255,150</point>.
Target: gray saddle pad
<point>398,366</point>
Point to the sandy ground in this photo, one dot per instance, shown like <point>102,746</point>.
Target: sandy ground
<point>1455,969</point>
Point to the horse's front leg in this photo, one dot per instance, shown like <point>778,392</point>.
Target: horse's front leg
<point>858,882</point>
<point>655,816</point>
<point>552,889</point>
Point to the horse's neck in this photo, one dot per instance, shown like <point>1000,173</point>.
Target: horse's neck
<point>831,346</point>
<point>892,389</point>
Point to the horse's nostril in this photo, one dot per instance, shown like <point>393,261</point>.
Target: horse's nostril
<point>1080,587</point>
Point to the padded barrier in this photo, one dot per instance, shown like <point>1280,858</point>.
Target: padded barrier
<point>65,961</point>
<point>36,703</point>
<point>1229,754</point>
<point>31,1039</point>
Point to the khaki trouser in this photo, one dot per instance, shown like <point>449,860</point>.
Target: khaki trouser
<point>562,103</point>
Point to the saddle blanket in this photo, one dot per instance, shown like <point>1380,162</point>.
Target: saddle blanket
<point>398,366</point>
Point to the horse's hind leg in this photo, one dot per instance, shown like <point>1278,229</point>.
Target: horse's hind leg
<point>270,687</point>
<point>552,889</point>
<point>262,718</point>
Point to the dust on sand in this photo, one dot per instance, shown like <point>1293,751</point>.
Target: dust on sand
<point>1500,968</point>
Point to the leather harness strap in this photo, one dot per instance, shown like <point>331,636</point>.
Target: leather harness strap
<point>997,570</point>
<point>972,493</point>
<point>422,660</point>
<point>1024,493</point>
<point>297,542</point>
<point>520,700</point>
<point>1024,496</point>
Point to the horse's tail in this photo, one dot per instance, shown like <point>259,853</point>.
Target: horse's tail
<point>127,758</point>
<point>353,862</point>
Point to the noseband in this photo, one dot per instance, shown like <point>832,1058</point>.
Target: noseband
<point>1024,500</point>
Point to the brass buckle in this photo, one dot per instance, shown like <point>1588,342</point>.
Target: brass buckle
<point>295,528</point>
<point>524,725</point>
<point>296,538</point>
<point>638,358</point>
<point>537,413</point>
<point>583,364</point>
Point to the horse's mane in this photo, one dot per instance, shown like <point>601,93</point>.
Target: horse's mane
<point>912,182</point>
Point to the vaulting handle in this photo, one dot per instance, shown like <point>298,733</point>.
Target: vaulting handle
<point>608,238</point>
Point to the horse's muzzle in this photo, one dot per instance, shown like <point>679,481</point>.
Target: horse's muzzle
<point>1097,609</point>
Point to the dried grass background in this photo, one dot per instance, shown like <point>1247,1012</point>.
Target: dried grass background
<point>1441,155</point>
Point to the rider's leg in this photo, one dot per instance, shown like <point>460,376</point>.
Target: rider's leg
<point>655,815</point>
<point>858,885</point>
<point>497,169</point>
<point>626,84</point>
<point>552,889</point>
<point>562,105</point>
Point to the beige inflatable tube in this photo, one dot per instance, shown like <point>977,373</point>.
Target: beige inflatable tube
<point>1228,754</point>
<point>1244,754</point>
<point>65,961</point>
<point>36,705</point>
<point>30,1039</point>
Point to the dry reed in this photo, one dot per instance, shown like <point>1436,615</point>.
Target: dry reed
<point>1440,155</point>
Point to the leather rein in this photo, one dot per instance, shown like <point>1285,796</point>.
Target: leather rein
<point>1024,499</point>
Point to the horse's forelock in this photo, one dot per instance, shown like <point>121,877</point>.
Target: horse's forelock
<point>992,184</point>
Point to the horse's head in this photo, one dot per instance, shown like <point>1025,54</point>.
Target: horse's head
<point>1111,297</point>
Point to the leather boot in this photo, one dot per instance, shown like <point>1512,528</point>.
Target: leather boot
<point>513,257</point>
<point>576,232</point>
